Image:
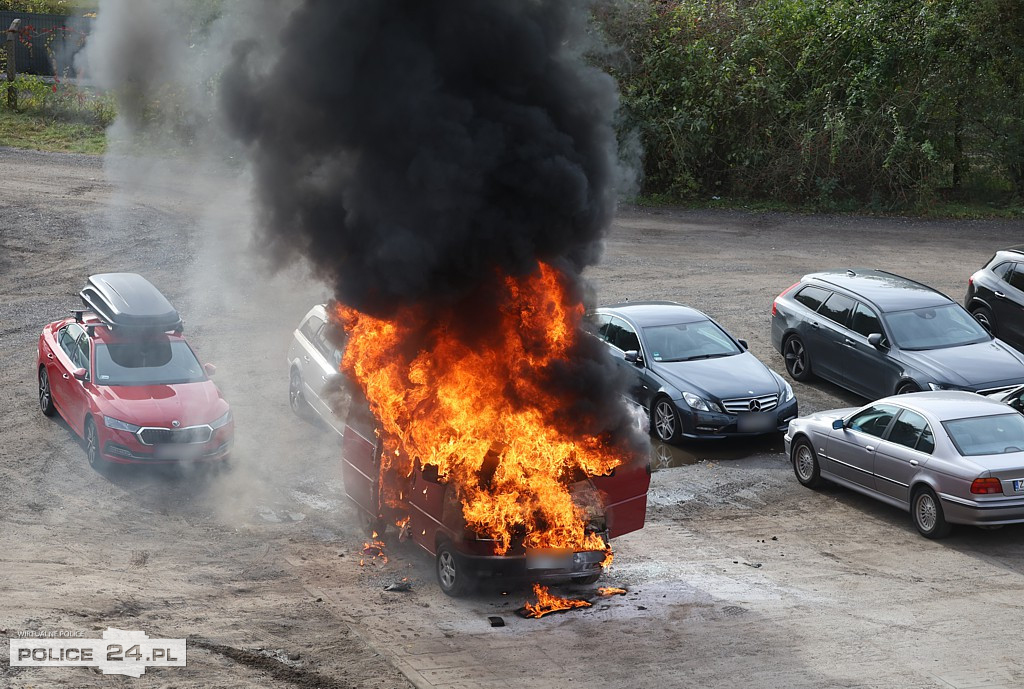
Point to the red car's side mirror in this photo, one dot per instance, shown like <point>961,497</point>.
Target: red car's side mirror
<point>80,373</point>
<point>210,369</point>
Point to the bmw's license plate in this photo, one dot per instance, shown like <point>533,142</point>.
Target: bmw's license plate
<point>753,422</point>
<point>1018,484</point>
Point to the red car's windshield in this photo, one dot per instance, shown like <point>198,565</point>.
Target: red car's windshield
<point>159,361</point>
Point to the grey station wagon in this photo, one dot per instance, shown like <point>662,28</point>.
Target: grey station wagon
<point>877,334</point>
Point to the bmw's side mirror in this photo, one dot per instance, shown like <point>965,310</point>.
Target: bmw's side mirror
<point>633,357</point>
<point>838,425</point>
<point>875,340</point>
<point>743,343</point>
<point>210,369</point>
<point>80,373</point>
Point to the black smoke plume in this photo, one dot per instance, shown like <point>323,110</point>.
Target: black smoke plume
<point>415,150</point>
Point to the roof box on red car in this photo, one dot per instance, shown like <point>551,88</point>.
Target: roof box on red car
<point>128,300</point>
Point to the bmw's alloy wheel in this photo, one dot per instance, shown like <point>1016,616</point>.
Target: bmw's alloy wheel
<point>446,569</point>
<point>926,511</point>
<point>804,463</point>
<point>665,420</point>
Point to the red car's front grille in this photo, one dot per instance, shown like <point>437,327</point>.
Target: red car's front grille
<point>160,436</point>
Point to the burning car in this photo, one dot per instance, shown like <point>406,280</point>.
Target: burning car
<point>428,511</point>
<point>123,377</point>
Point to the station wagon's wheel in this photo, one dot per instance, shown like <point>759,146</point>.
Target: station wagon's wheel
<point>296,399</point>
<point>907,388</point>
<point>805,464</point>
<point>926,511</point>
<point>984,316</point>
<point>450,572</point>
<point>665,420</point>
<point>92,445</point>
<point>798,361</point>
<point>45,395</point>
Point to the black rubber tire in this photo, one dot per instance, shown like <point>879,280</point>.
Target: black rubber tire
<point>907,387</point>
<point>45,393</point>
<point>805,464</point>
<point>926,511</point>
<point>986,318</point>
<point>665,422</point>
<point>451,575</point>
<point>92,445</point>
<point>296,400</point>
<point>798,359</point>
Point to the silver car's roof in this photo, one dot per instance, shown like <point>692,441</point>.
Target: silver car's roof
<point>946,405</point>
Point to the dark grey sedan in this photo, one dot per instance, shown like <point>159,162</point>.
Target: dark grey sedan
<point>693,378</point>
<point>948,457</point>
<point>877,334</point>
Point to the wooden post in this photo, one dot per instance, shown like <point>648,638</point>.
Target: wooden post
<point>12,92</point>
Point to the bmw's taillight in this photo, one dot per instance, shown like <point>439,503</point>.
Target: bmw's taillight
<point>775,304</point>
<point>986,486</point>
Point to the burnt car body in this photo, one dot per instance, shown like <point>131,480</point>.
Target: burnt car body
<point>615,504</point>
<point>877,334</point>
<point>947,457</point>
<point>691,376</point>
<point>995,296</point>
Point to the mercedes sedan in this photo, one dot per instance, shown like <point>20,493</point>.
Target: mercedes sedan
<point>947,457</point>
<point>693,378</point>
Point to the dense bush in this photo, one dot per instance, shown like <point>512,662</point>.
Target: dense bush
<point>836,102</point>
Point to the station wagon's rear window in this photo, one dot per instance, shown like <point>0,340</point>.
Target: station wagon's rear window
<point>987,435</point>
<point>811,297</point>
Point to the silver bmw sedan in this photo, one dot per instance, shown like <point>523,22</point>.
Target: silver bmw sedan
<point>947,457</point>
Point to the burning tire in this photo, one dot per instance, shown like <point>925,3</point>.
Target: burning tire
<point>451,575</point>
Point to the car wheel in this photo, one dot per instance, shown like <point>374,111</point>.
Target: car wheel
<point>926,510</point>
<point>805,464</point>
<point>984,316</point>
<point>296,399</point>
<point>373,527</point>
<point>450,572</point>
<point>907,388</point>
<point>665,420</point>
<point>45,394</point>
<point>798,361</point>
<point>92,445</point>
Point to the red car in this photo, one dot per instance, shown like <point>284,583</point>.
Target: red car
<point>126,381</point>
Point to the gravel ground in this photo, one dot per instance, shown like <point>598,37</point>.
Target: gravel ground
<point>740,578</point>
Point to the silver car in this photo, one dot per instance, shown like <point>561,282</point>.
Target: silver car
<point>948,457</point>
<point>312,362</point>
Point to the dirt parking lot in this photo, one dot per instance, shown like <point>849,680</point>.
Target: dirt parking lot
<point>740,578</point>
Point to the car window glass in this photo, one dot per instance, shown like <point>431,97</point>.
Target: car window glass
<point>625,337</point>
<point>911,430</point>
<point>155,361</point>
<point>987,435</point>
<point>1003,269</point>
<point>934,327</point>
<point>1017,277</point>
<point>688,341</point>
<point>597,325</point>
<point>837,308</point>
<point>811,297</point>
<point>1016,400</point>
<point>311,326</point>
<point>865,321</point>
<point>873,420</point>
<point>81,358</point>
<point>324,345</point>
<point>67,337</point>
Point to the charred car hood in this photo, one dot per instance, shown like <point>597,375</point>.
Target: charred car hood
<point>189,404</point>
<point>728,377</point>
<point>970,365</point>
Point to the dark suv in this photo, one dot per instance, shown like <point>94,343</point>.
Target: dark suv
<point>995,296</point>
<point>876,334</point>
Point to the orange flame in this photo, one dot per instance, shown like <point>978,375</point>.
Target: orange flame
<point>375,549</point>
<point>482,414</point>
<point>610,591</point>
<point>548,603</point>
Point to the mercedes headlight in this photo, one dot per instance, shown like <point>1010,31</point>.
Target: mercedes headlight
<point>941,386</point>
<point>787,390</point>
<point>118,425</point>
<point>696,402</point>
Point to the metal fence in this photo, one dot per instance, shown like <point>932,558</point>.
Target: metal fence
<point>47,43</point>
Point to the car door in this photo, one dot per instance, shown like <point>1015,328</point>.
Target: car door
<point>907,446</point>
<point>328,364</point>
<point>65,388</point>
<point>623,338</point>
<point>850,451</point>
<point>869,371</point>
<point>1008,306</point>
<point>827,336</point>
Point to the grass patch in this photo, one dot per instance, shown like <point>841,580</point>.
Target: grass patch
<point>43,133</point>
